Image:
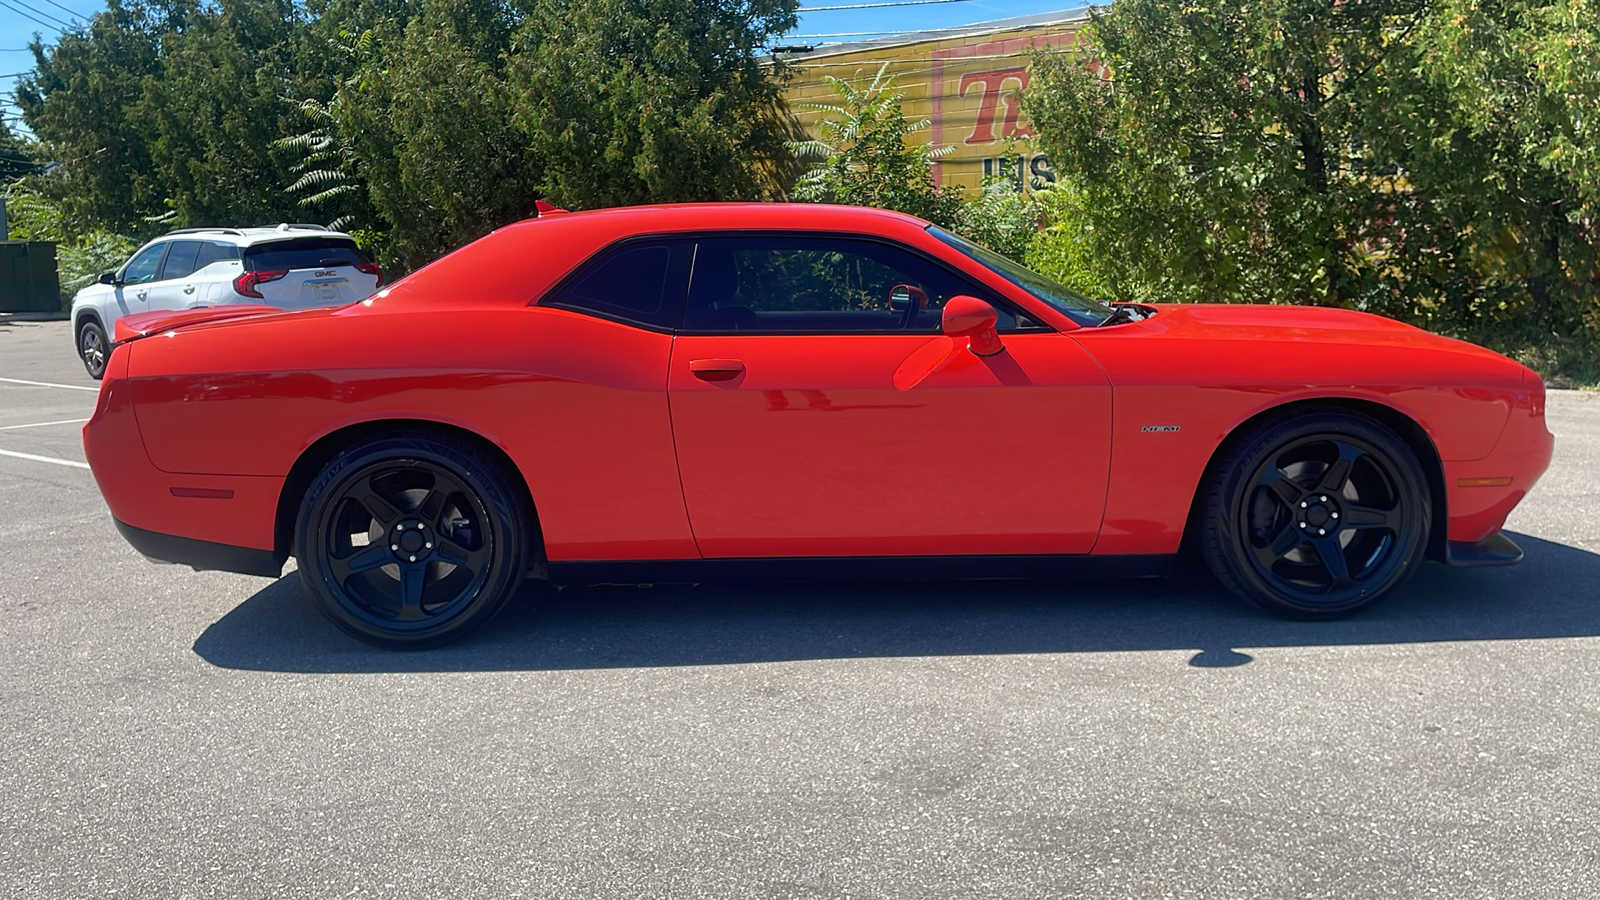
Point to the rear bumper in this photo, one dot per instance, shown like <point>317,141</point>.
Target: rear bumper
<point>156,510</point>
<point>202,556</point>
<point>1494,550</point>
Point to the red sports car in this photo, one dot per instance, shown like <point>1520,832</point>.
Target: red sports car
<point>679,393</point>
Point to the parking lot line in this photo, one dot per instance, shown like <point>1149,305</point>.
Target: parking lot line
<point>46,459</point>
<point>42,424</point>
<point>70,387</point>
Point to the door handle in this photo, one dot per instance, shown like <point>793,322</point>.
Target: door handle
<point>716,369</point>
<point>142,294</point>
<point>188,289</point>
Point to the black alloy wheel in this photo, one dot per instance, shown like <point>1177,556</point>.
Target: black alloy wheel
<point>93,348</point>
<point>1317,516</point>
<point>411,540</point>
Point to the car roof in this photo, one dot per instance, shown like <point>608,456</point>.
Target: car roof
<point>694,216</point>
<point>245,237</point>
<point>498,265</point>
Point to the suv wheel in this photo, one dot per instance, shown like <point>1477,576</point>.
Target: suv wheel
<point>93,348</point>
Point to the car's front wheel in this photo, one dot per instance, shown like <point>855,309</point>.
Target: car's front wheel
<point>1316,516</point>
<point>412,539</point>
<point>93,348</point>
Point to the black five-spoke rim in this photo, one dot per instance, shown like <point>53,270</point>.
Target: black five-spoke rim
<point>1324,517</point>
<point>407,544</point>
<point>94,350</point>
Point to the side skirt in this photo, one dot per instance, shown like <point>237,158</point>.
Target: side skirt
<point>887,568</point>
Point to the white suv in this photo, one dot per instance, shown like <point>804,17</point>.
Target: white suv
<point>289,266</point>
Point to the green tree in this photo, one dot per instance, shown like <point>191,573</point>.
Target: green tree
<point>428,117</point>
<point>1252,151</point>
<point>19,156</point>
<point>80,101</point>
<point>866,155</point>
<point>222,94</point>
<point>643,101</point>
<point>1518,172</point>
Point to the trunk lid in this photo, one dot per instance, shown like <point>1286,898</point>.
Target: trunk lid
<point>139,325</point>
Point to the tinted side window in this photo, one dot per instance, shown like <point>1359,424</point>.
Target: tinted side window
<point>636,282</point>
<point>211,252</point>
<point>144,265</point>
<point>784,284</point>
<point>180,259</point>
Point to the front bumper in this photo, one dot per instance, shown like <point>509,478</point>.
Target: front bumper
<point>1494,550</point>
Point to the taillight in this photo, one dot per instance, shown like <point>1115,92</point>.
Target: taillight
<point>371,269</point>
<point>246,283</point>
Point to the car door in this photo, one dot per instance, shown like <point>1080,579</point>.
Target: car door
<point>171,289</point>
<point>132,291</point>
<point>817,410</point>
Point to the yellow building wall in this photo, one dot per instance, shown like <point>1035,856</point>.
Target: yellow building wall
<point>969,87</point>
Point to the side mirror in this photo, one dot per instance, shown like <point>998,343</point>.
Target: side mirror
<point>108,278</point>
<point>974,319</point>
<point>907,297</point>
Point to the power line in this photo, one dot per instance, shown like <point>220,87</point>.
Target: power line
<point>876,5</point>
<point>75,13</point>
<point>34,19</point>
<point>64,23</point>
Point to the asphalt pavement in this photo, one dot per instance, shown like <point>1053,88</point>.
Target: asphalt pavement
<point>172,734</point>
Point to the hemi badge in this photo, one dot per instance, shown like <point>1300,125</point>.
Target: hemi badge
<point>205,493</point>
<point>1163,428</point>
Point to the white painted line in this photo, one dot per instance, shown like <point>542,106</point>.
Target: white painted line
<point>42,424</point>
<point>70,387</point>
<point>45,459</point>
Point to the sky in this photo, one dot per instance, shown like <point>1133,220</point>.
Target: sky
<point>20,19</point>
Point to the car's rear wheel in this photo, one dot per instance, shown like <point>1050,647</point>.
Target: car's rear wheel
<point>411,540</point>
<point>1316,516</point>
<point>93,348</point>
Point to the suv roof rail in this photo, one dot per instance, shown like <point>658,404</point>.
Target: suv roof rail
<point>205,231</point>
<point>302,226</point>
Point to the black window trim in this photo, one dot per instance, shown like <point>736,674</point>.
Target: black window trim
<point>695,237</point>
<point>550,299</point>
<point>161,263</point>
<point>162,271</point>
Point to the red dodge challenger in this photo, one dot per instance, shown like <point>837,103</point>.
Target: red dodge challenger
<point>679,393</point>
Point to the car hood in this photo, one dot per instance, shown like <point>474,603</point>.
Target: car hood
<point>1245,340</point>
<point>1318,324</point>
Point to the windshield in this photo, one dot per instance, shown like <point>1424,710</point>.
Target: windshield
<point>1075,306</point>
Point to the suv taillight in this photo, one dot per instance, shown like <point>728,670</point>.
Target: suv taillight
<point>246,283</point>
<point>371,269</point>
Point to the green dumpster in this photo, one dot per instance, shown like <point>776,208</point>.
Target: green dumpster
<point>28,278</point>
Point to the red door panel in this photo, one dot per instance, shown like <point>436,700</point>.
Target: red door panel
<point>851,446</point>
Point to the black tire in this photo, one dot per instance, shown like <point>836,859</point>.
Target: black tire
<point>1317,515</point>
<point>412,539</point>
<point>94,348</point>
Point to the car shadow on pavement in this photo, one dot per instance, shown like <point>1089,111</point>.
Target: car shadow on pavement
<point>1554,593</point>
